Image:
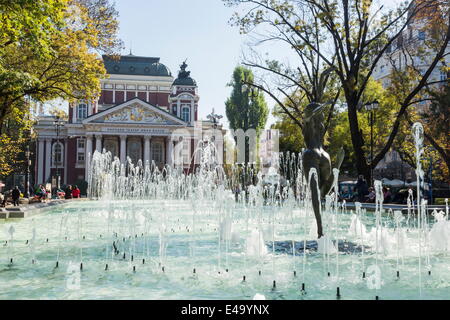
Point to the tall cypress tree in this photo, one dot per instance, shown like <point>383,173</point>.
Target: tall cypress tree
<point>246,108</point>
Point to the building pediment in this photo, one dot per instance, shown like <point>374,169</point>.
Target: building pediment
<point>135,111</point>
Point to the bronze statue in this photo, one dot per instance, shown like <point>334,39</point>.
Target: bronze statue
<point>314,156</point>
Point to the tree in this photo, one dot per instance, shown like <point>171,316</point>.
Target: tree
<point>30,23</point>
<point>291,138</point>
<point>435,119</point>
<point>437,127</point>
<point>61,62</point>
<point>338,129</point>
<point>246,108</point>
<point>357,38</point>
<point>13,139</point>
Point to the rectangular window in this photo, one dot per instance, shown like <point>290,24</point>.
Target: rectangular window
<point>81,150</point>
<point>82,111</point>
<point>80,157</point>
<point>80,144</point>
<point>443,76</point>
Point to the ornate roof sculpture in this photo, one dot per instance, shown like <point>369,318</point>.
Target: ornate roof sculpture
<point>214,118</point>
<point>184,77</point>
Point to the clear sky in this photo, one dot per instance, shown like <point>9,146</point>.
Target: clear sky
<point>196,30</point>
<point>178,29</point>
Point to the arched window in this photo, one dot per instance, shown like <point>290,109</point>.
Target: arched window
<point>157,152</point>
<point>82,111</point>
<point>57,153</point>
<point>185,114</point>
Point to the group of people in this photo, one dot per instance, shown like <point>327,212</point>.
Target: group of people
<point>72,192</point>
<point>366,194</point>
<point>15,195</point>
<point>41,193</point>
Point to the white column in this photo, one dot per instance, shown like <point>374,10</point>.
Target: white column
<point>48,158</point>
<point>170,152</point>
<point>176,153</point>
<point>40,166</point>
<point>88,156</point>
<point>123,149</point>
<point>192,112</point>
<point>178,109</point>
<point>146,149</point>
<point>98,142</point>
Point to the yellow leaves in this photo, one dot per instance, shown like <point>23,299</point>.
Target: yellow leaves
<point>365,6</point>
<point>10,149</point>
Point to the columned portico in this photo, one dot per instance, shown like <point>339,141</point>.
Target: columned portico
<point>123,148</point>
<point>135,117</point>
<point>88,155</point>
<point>147,149</point>
<point>170,156</point>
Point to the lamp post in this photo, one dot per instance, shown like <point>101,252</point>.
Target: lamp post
<point>371,107</point>
<point>58,124</point>
<point>27,174</point>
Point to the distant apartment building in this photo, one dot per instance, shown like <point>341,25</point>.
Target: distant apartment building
<point>269,149</point>
<point>409,49</point>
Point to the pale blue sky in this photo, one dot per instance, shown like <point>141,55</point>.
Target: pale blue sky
<point>178,29</point>
<point>199,31</point>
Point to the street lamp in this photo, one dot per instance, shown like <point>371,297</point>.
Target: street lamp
<point>27,174</point>
<point>58,124</point>
<point>371,107</point>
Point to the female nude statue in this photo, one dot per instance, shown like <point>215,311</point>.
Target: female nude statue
<point>314,156</point>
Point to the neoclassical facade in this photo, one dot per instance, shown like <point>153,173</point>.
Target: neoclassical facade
<point>143,114</point>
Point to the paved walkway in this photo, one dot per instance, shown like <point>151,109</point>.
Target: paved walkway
<point>26,210</point>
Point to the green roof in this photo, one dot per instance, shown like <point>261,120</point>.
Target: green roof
<point>135,65</point>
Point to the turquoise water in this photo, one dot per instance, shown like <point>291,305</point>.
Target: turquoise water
<point>180,236</point>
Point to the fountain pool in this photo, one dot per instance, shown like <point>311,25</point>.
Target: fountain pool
<point>214,234</point>
<point>165,240</point>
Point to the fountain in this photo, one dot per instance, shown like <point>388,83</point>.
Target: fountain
<point>151,233</point>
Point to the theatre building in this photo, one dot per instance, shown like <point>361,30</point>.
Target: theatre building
<point>143,113</point>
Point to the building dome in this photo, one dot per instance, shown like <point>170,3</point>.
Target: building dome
<point>160,69</point>
<point>135,65</point>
